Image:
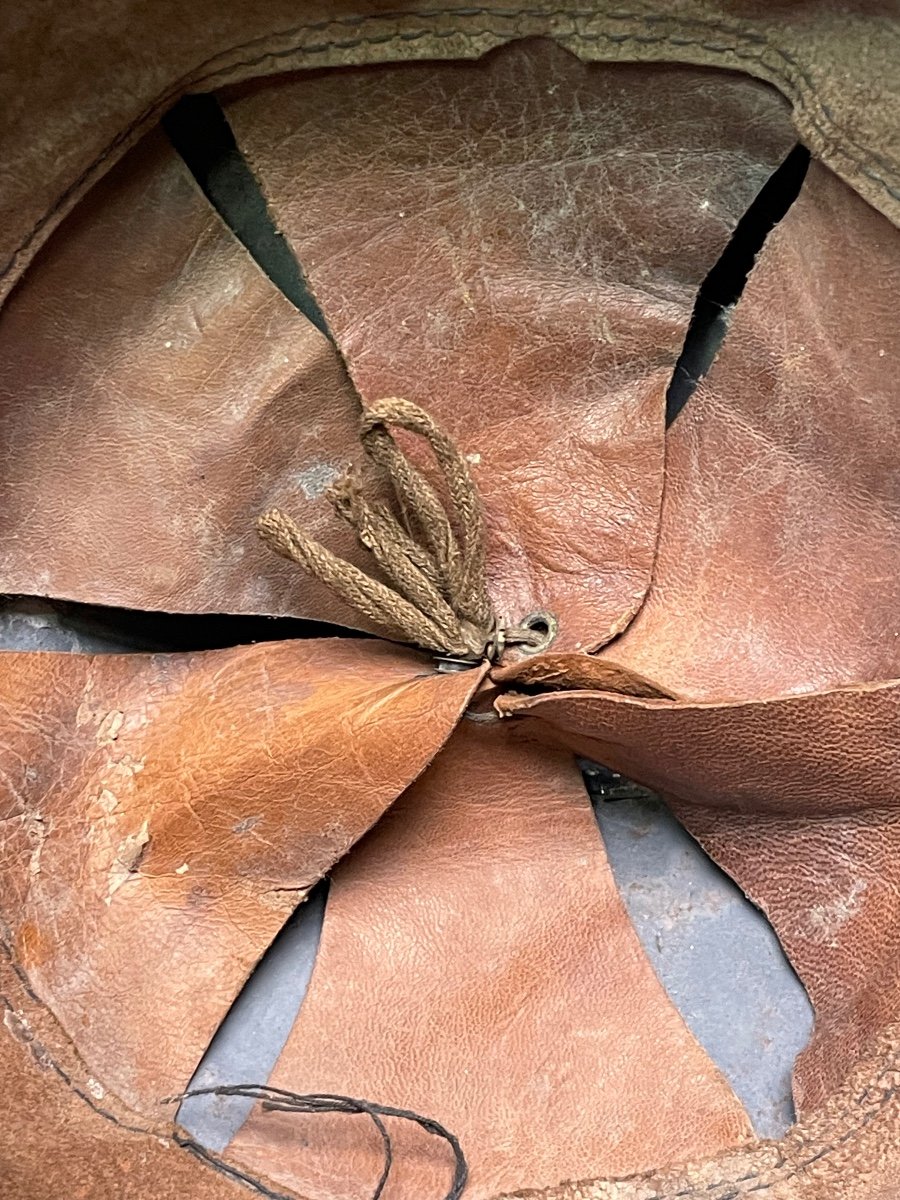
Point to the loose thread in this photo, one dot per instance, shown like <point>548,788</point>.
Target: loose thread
<point>273,1099</point>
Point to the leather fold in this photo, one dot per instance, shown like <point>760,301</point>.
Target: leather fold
<point>163,815</point>
<point>477,966</point>
<point>514,246</point>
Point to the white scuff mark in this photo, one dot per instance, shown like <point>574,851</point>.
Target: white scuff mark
<point>36,833</point>
<point>108,729</point>
<point>95,1088</point>
<point>183,869</point>
<point>108,801</point>
<point>474,459</point>
<point>17,1025</point>
<point>314,480</point>
<point>127,859</point>
<point>826,920</point>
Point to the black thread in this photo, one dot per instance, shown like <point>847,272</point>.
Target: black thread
<point>275,1099</point>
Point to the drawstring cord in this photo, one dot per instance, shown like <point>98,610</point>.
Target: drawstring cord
<point>432,558</point>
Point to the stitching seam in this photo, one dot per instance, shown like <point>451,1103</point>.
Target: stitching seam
<point>799,98</point>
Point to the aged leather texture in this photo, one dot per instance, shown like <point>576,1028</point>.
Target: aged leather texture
<point>62,1134</point>
<point>554,288</point>
<point>797,798</point>
<point>778,567</point>
<point>777,573</point>
<point>162,815</point>
<point>477,962</point>
<point>86,81</point>
<point>156,394</point>
<point>514,246</point>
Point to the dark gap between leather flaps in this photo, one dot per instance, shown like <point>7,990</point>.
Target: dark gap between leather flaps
<point>253,1032</point>
<point>32,623</point>
<point>199,130</point>
<point>698,928</point>
<point>723,286</point>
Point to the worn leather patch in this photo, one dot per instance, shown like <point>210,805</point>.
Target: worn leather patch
<point>117,67</point>
<point>516,246</point>
<point>163,815</point>
<point>779,554</point>
<point>477,965</point>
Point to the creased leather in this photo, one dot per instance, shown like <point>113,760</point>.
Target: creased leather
<point>156,394</point>
<point>510,1025</point>
<point>797,798</point>
<point>777,572</point>
<point>514,246</point>
<point>778,567</point>
<point>86,81</point>
<point>162,816</point>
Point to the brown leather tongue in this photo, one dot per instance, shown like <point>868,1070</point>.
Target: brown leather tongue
<point>778,567</point>
<point>163,815</point>
<point>515,245</point>
<point>477,966</point>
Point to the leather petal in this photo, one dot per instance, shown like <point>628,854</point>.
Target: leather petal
<point>157,394</point>
<point>478,966</point>
<point>779,554</point>
<point>515,245</point>
<point>162,815</point>
<point>828,752</point>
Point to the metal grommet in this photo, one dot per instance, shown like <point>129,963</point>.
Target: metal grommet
<point>545,626</point>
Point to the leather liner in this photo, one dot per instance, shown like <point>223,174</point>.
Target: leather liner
<point>839,72</point>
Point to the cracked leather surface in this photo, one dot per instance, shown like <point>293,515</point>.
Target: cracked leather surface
<point>163,814</point>
<point>112,67</point>
<point>510,1025</point>
<point>107,924</point>
<point>514,246</point>
<point>154,387</point>
<point>797,799</point>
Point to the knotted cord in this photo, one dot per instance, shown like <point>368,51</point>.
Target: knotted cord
<point>432,557</point>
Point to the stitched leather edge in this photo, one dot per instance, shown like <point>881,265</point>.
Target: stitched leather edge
<point>390,37</point>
